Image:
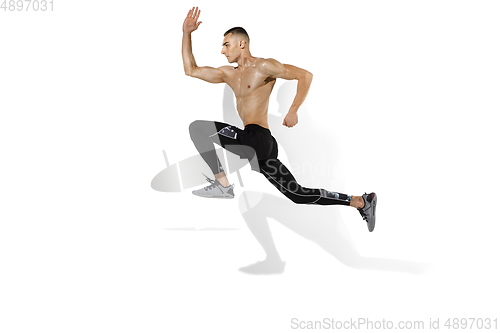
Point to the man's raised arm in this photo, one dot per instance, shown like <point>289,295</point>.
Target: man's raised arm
<point>209,74</point>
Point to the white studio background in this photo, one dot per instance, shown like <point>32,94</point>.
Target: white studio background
<point>93,91</point>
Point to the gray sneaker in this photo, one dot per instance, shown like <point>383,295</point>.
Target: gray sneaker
<point>368,211</point>
<point>215,190</point>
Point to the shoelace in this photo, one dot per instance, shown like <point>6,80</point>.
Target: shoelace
<point>364,217</point>
<point>212,185</point>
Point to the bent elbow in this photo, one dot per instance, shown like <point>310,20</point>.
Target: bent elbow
<point>306,77</point>
<point>309,76</point>
<point>189,71</point>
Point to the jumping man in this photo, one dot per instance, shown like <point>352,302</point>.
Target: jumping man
<point>252,82</point>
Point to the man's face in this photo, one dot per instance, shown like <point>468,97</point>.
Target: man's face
<point>230,48</point>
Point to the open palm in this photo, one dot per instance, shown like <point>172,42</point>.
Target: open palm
<point>190,23</point>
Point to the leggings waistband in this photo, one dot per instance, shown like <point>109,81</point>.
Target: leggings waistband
<point>256,127</point>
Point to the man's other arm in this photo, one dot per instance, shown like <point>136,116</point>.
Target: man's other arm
<point>275,69</point>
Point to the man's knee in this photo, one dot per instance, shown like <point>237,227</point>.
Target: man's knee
<point>291,190</point>
<point>197,129</point>
<point>194,126</point>
<point>202,127</point>
<point>299,194</point>
<point>298,199</point>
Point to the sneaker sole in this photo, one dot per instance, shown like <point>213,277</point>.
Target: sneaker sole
<point>214,196</point>
<point>371,226</point>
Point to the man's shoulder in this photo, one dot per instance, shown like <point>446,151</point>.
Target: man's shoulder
<point>265,62</point>
<point>226,68</point>
<point>228,71</point>
<point>269,66</point>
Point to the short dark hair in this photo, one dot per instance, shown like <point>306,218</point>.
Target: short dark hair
<point>238,31</point>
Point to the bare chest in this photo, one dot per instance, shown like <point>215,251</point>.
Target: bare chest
<point>246,82</point>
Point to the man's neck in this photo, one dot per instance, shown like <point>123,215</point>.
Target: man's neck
<point>245,60</point>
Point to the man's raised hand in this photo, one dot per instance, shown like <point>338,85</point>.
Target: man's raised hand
<point>190,23</point>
